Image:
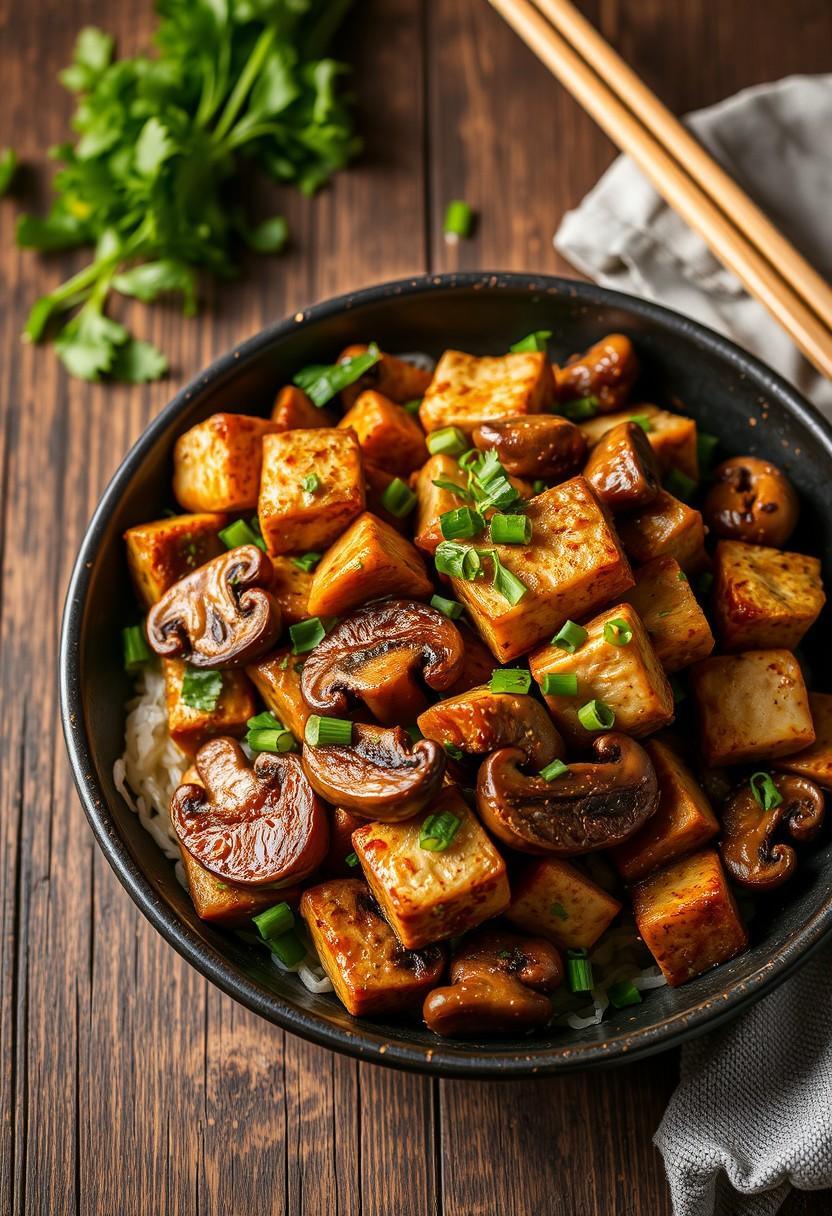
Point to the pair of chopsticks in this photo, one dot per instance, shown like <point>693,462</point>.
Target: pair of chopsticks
<point>687,177</point>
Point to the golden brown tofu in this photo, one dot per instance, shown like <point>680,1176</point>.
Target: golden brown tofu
<point>554,899</point>
<point>764,597</point>
<point>230,903</point>
<point>629,679</point>
<point>397,379</point>
<point>190,728</point>
<point>216,464</point>
<point>294,411</point>
<point>370,560</point>
<point>751,706</point>
<point>370,971</point>
<point>389,437</point>
<point>290,587</point>
<point>469,389</point>
<point>162,552</point>
<point>672,436</point>
<point>428,896</point>
<point>433,500</point>
<point>277,679</point>
<point>687,917</point>
<point>683,822</point>
<point>815,761</point>
<point>667,528</point>
<point>572,566</point>
<point>670,612</point>
<point>606,371</point>
<point>312,488</point>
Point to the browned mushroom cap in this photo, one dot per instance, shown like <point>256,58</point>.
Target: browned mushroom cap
<point>592,806</point>
<point>607,371</point>
<point>380,775</point>
<point>255,825</point>
<point>481,721</point>
<point>751,500</point>
<point>535,445</point>
<point>497,979</point>
<point>374,653</point>
<point>751,856</point>
<point>220,615</point>
<point>622,468</point>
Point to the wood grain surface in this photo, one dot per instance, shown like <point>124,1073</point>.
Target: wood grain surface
<point>128,1085</point>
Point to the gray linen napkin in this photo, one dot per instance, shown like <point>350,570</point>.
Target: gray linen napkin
<point>752,1114</point>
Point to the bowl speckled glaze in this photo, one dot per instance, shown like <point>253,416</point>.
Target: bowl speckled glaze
<point>731,394</point>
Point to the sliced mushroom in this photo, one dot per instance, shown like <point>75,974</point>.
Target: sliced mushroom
<point>374,655</point>
<point>221,615</point>
<point>622,468</point>
<point>592,806</point>
<point>535,445</point>
<point>250,824</point>
<point>607,372</point>
<point>751,500</point>
<point>751,856</point>
<point>481,721</point>
<point>380,775</point>
<point>497,982</point>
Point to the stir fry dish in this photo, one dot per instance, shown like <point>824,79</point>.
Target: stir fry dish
<point>469,690</point>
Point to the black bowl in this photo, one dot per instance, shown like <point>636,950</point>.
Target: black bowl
<point>731,394</point>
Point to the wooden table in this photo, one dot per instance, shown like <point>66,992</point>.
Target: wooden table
<point>128,1085</point>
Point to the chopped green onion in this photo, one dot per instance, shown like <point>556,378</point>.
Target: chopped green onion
<point>682,577</point>
<point>275,921</point>
<point>596,715</point>
<point>706,446</point>
<point>642,420</point>
<point>453,487</point>
<point>240,533</point>
<point>509,586</point>
<point>539,487</point>
<point>327,732</point>
<point>456,753</point>
<point>618,632</point>
<point>533,341</point>
<point>450,441</point>
<point>201,689</point>
<point>489,482</point>
<point>679,485</point>
<point>306,634</point>
<point>311,483</point>
<point>554,770</point>
<point>437,831</point>
<point>510,529</point>
<point>704,583</point>
<point>398,498</point>
<point>510,679</point>
<point>449,608</point>
<point>457,560</point>
<point>470,458</point>
<point>351,860</point>
<point>461,523</point>
<point>459,220</point>
<point>766,793</point>
<point>580,409</point>
<point>554,685</point>
<point>570,637</point>
<point>678,689</point>
<point>415,733</point>
<point>321,382</point>
<point>308,562</point>
<point>135,648</point>
<point>288,948</point>
<point>412,407</point>
<point>558,910</point>
<point>623,993</point>
<point>579,972</point>
<point>273,740</point>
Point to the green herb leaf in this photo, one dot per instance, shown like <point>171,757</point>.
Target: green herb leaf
<point>321,382</point>
<point>8,168</point>
<point>269,236</point>
<point>201,689</point>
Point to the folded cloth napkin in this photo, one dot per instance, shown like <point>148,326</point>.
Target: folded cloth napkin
<point>752,1115</point>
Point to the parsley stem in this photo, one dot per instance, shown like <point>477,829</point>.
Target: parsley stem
<point>245,81</point>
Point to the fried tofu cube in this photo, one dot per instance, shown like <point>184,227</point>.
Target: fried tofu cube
<point>370,971</point>
<point>672,436</point>
<point>751,706</point>
<point>190,728</point>
<point>428,896</point>
<point>162,552</point>
<point>293,411</point>
<point>277,679</point>
<point>290,586</point>
<point>389,436</point>
<point>815,761</point>
<point>554,899</point>
<point>312,488</point>
<point>469,389</point>
<point>396,378</point>
<point>764,597</point>
<point>666,528</point>
<point>683,822</point>
<point>230,903</point>
<point>687,917</point>
<point>671,614</point>
<point>630,679</point>
<point>216,464</point>
<point>434,500</point>
<point>370,560</point>
<point>572,565</point>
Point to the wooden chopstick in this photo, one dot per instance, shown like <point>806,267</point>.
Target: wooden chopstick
<point>761,279</point>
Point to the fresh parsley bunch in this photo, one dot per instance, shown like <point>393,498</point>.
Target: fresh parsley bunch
<point>151,181</point>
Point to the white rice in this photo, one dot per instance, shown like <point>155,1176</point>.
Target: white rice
<point>619,955</point>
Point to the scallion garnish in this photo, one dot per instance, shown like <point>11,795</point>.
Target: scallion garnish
<point>510,679</point>
<point>559,911</point>
<point>533,341</point>
<point>459,561</point>
<point>539,487</point>
<point>321,382</point>
<point>682,577</point>
<point>305,635</point>
<point>398,498</point>
<point>554,685</point>
<point>135,648</point>
<point>266,734</point>
<point>569,637</point>
<point>449,608</point>
<point>412,407</point>
<point>450,441</point>
<point>351,860</point>
<point>554,770</point>
<point>451,749</point>
<point>327,732</point>
<point>596,715</point>
<point>679,485</point>
<point>510,529</point>
<point>414,732</point>
<point>617,632</point>
<point>240,533</point>
<point>580,409</point>
<point>459,220</point>
<point>437,831</point>
<point>706,446</point>
<point>453,487</point>
<point>461,523</point>
<point>642,420</point>
<point>623,993</point>
<point>201,689</point>
<point>509,586</point>
<point>311,483</point>
<point>307,562</point>
<point>275,921</point>
<point>288,948</point>
<point>766,793</point>
<point>579,971</point>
